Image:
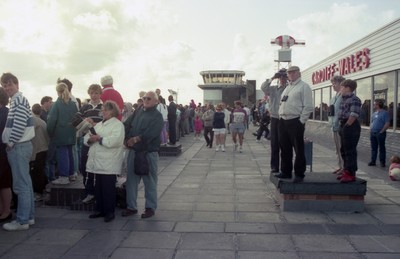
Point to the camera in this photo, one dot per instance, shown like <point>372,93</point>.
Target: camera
<point>92,131</point>
<point>284,98</point>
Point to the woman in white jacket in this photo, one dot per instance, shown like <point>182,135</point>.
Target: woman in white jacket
<point>105,159</point>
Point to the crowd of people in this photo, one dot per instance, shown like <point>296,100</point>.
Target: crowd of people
<point>54,142</point>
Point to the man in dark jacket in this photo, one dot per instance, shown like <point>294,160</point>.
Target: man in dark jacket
<point>172,120</point>
<point>142,133</point>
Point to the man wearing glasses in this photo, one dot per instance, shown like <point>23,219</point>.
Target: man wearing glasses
<point>142,133</point>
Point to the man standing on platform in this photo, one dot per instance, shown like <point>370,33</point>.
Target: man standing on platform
<point>294,110</point>
<point>274,92</point>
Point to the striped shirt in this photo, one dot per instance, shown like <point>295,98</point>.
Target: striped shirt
<point>19,125</point>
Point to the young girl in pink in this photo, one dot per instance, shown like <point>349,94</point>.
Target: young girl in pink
<point>198,126</point>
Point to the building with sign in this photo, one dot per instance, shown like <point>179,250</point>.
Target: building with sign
<point>374,62</point>
<point>227,86</point>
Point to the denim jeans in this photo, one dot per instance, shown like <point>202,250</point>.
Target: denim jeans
<point>19,157</point>
<point>150,182</point>
<point>65,160</point>
<point>378,142</point>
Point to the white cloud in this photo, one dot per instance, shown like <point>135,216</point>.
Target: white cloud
<point>101,21</point>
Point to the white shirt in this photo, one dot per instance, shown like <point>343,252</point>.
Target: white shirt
<point>299,101</point>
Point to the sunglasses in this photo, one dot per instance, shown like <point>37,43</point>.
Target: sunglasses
<point>145,98</point>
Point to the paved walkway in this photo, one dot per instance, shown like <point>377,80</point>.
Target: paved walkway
<point>220,205</point>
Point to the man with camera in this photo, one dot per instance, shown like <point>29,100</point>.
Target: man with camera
<point>274,92</point>
<point>294,110</point>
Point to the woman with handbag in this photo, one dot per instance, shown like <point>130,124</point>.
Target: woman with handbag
<point>105,159</point>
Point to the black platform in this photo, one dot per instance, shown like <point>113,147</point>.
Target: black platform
<point>320,191</point>
<point>170,150</point>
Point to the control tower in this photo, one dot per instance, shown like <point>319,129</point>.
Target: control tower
<point>227,86</point>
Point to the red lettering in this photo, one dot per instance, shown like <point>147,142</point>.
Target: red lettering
<point>313,78</point>
<point>358,60</point>
<point>366,58</point>
<point>342,63</point>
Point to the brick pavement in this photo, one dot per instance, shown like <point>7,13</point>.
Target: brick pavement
<point>220,205</point>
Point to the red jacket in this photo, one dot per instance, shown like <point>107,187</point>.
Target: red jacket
<point>109,93</point>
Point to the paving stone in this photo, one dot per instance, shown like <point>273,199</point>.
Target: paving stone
<point>201,254</point>
<point>56,237</point>
<point>352,218</point>
<point>388,218</point>
<point>390,229</point>
<point>267,228</point>
<point>270,242</point>
<point>306,217</point>
<point>263,255</point>
<point>381,255</point>
<point>98,243</point>
<point>34,251</point>
<point>258,207</point>
<point>270,217</point>
<point>98,224</point>
<point>207,241</point>
<point>215,206</point>
<point>215,198</point>
<point>382,244</point>
<point>156,240</point>
<point>214,216</point>
<point>285,228</point>
<point>151,253</point>
<point>145,225</point>
<point>354,229</point>
<point>327,255</point>
<point>322,243</point>
<point>181,206</point>
<point>199,227</point>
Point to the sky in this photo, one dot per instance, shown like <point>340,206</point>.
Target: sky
<point>149,44</point>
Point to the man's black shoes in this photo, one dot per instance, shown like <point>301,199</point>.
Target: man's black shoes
<point>283,176</point>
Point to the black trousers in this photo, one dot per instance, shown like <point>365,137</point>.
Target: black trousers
<point>291,136</point>
<point>275,143</point>
<point>172,131</point>
<point>209,130</point>
<point>88,178</point>
<point>38,175</point>
<point>349,137</point>
<point>105,193</point>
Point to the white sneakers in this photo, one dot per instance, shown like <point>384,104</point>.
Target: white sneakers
<point>240,149</point>
<point>73,177</point>
<point>89,199</point>
<point>15,226</point>
<point>220,147</point>
<point>61,180</point>
<point>236,145</point>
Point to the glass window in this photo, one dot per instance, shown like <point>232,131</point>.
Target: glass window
<point>384,90</point>
<point>364,93</point>
<point>317,104</point>
<point>326,97</point>
<point>397,111</point>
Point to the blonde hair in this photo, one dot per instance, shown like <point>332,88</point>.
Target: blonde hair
<point>63,93</point>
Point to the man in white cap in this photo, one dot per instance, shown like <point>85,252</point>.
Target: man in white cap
<point>109,93</point>
<point>294,110</point>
